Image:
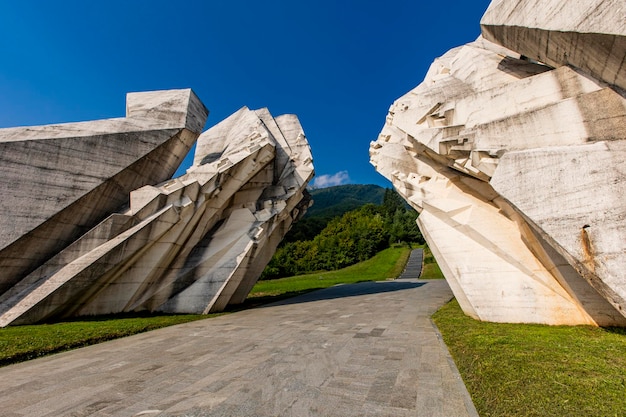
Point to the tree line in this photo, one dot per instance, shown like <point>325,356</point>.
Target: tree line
<point>354,237</point>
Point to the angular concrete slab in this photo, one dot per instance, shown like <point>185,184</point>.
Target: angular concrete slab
<point>193,244</point>
<point>59,181</point>
<point>514,164</point>
<point>589,35</point>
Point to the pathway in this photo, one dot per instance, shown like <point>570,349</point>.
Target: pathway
<point>413,268</point>
<point>365,349</point>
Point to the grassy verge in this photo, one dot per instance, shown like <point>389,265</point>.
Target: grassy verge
<point>388,263</point>
<point>21,343</point>
<point>536,370</point>
<point>431,269</point>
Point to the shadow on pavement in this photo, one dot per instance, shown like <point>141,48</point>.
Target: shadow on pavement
<point>349,290</point>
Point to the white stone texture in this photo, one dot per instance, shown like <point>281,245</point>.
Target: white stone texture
<point>193,244</point>
<point>59,181</point>
<point>587,34</point>
<point>514,167</point>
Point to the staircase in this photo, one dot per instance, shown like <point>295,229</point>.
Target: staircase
<point>413,268</point>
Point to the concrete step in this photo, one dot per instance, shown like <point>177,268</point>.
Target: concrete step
<point>413,268</point>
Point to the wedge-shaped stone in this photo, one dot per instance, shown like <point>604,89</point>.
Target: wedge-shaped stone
<point>194,244</point>
<point>59,181</point>
<point>514,168</point>
<point>589,35</point>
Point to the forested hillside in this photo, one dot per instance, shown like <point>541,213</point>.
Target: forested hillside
<point>353,237</point>
<point>335,201</point>
<point>332,202</point>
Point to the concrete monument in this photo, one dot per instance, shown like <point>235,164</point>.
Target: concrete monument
<point>59,181</point>
<point>514,165</point>
<point>193,244</point>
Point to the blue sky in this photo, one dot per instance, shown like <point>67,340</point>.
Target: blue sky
<point>337,64</point>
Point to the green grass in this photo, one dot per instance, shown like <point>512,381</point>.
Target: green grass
<point>386,264</point>
<point>21,343</point>
<point>536,370</point>
<point>431,269</point>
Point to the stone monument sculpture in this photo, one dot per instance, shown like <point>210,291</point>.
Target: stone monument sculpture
<point>512,150</point>
<point>112,233</point>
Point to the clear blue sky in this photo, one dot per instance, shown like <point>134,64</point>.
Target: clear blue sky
<point>337,64</point>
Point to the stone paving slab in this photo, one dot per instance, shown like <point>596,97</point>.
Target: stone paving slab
<point>366,349</point>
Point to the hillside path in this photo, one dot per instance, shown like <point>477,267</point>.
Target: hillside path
<point>413,268</point>
<point>367,349</point>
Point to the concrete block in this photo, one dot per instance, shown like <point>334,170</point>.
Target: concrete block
<point>59,181</point>
<point>589,35</point>
<point>193,244</point>
<point>514,166</point>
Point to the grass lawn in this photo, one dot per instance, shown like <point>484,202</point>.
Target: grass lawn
<point>21,343</point>
<point>386,264</point>
<point>536,370</point>
<point>431,269</point>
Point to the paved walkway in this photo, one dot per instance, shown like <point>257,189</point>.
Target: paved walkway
<point>413,268</point>
<point>367,349</point>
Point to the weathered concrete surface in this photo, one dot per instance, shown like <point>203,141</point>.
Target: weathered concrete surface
<point>515,168</point>
<point>587,34</point>
<point>59,181</point>
<point>368,349</point>
<point>194,244</point>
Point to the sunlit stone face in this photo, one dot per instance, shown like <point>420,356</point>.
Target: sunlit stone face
<point>192,244</point>
<point>507,159</point>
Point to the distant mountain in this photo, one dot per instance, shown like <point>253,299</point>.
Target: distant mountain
<point>332,202</point>
<point>335,201</point>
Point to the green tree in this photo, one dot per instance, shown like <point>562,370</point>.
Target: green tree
<point>392,202</point>
<point>354,237</point>
<point>400,219</point>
